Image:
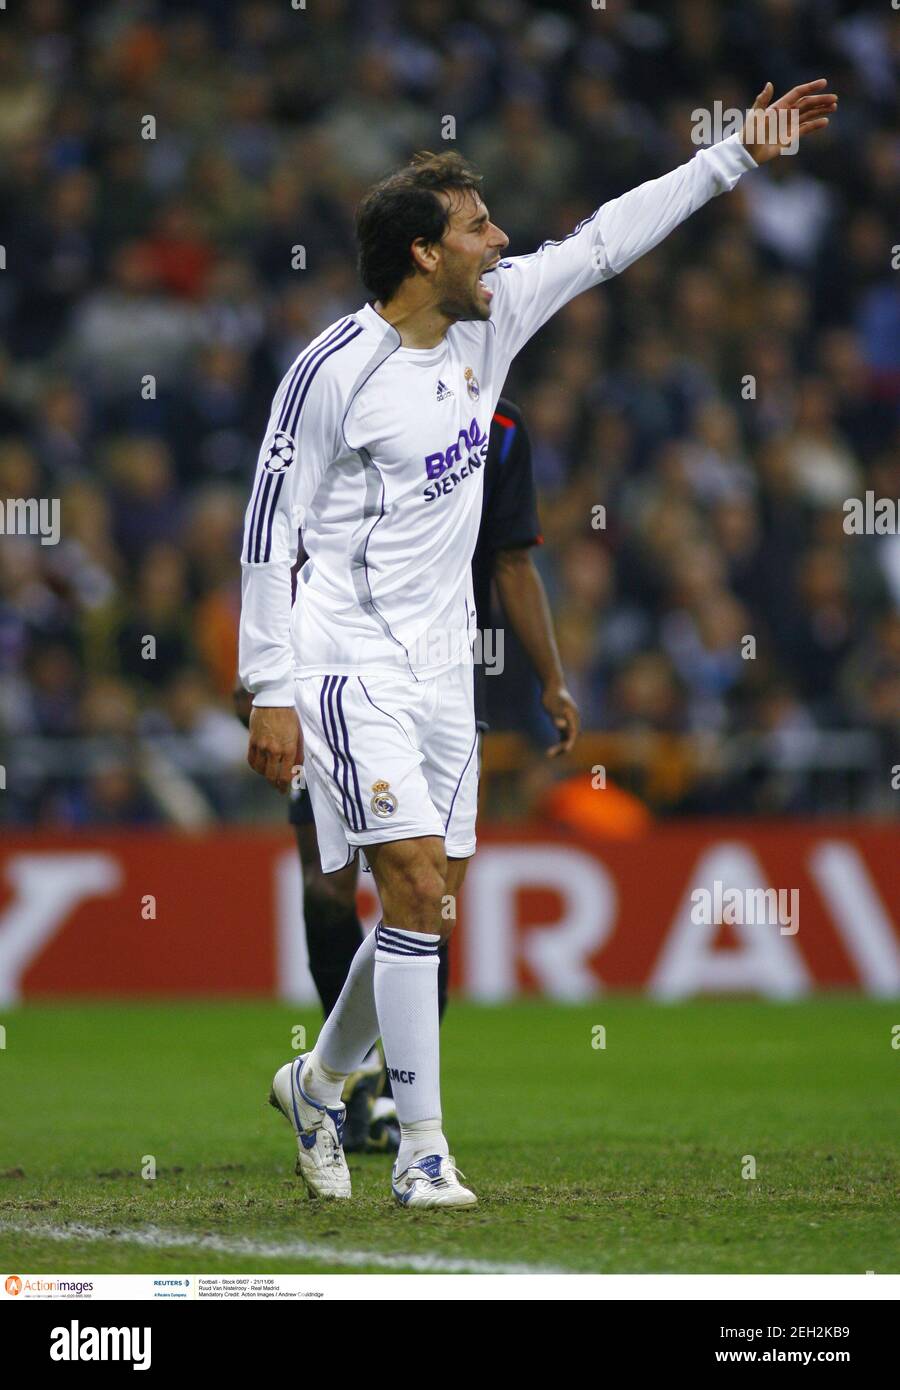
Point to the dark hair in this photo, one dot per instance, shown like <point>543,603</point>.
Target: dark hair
<point>402,208</point>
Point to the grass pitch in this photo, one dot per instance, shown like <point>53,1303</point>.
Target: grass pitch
<point>627,1158</point>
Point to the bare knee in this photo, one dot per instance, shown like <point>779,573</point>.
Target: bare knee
<point>412,881</point>
<point>420,884</point>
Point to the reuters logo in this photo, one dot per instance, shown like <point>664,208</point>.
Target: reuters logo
<point>13,1284</point>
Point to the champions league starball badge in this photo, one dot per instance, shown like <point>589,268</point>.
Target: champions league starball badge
<point>383,803</point>
<point>472,386</point>
<point>280,453</point>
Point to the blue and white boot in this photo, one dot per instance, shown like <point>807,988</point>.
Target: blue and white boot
<point>433,1181</point>
<point>319,1130</point>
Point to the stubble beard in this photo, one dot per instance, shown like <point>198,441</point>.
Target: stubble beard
<point>464,313</point>
<point>461,304</point>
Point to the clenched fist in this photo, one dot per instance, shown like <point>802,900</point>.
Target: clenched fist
<point>276,744</point>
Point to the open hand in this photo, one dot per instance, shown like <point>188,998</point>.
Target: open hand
<point>772,127</point>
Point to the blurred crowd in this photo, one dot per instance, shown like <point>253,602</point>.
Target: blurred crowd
<point>177,189</point>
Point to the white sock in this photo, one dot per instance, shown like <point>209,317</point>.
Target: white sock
<point>406,966</point>
<point>418,1140</point>
<point>348,1032</point>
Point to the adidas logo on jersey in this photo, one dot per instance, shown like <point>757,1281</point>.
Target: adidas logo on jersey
<point>443,392</point>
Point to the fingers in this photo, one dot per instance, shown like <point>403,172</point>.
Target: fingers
<point>815,113</point>
<point>808,109</point>
<point>276,744</point>
<point>826,100</point>
<point>279,772</point>
<point>275,764</point>
<point>570,734</point>
<point>764,97</point>
<point>257,757</point>
<point>813,116</point>
<point>820,100</point>
<point>574,726</point>
<point>805,89</point>
<point>555,749</point>
<point>567,723</point>
<point>813,105</point>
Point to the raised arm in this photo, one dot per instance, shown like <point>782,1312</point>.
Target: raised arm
<point>530,289</point>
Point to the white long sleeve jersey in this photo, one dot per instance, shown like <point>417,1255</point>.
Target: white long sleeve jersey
<point>376,453</point>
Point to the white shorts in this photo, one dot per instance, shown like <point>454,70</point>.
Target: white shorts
<point>389,758</point>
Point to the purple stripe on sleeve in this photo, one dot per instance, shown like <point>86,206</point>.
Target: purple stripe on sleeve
<point>257,541</point>
<point>293,415</point>
<point>303,365</point>
<point>273,508</point>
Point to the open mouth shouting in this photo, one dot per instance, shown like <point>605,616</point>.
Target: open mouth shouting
<point>487,293</point>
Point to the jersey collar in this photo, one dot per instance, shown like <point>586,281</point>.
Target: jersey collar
<point>374,323</point>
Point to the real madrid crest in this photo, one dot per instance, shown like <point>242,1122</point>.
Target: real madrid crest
<point>383,802</point>
<point>472,386</point>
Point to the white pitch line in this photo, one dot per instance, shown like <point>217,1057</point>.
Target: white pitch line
<point>154,1238</point>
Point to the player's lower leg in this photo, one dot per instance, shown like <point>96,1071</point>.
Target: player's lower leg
<point>443,994</point>
<point>308,1091</point>
<point>412,877</point>
<point>333,936</point>
<point>349,1032</point>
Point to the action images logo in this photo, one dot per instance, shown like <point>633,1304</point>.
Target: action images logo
<point>16,1285</point>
